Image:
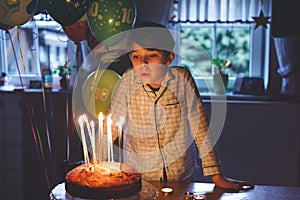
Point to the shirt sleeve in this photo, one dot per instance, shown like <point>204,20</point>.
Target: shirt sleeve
<point>202,135</point>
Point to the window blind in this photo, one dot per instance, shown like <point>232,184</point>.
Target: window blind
<point>223,11</point>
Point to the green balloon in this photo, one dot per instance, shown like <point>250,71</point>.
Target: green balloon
<point>98,89</point>
<point>107,18</point>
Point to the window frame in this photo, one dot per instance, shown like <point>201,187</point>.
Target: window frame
<point>34,25</point>
<point>259,53</point>
<point>3,60</point>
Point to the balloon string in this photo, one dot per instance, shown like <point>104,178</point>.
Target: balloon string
<point>68,129</point>
<point>52,125</point>
<point>74,148</point>
<point>36,136</point>
<point>47,126</point>
<point>51,151</point>
<point>30,46</point>
<point>58,33</point>
<point>77,57</point>
<point>47,179</point>
<point>15,55</point>
<point>34,34</point>
<point>20,49</point>
<point>38,140</point>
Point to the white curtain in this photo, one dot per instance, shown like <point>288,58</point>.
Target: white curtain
<point>197,11</point>
<point>286,35</point>
<point>287,49</point>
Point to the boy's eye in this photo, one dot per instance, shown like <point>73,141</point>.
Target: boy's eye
<point>153,56</point>
<point>135,56</point>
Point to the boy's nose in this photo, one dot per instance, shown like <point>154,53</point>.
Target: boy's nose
<point>145,61</point>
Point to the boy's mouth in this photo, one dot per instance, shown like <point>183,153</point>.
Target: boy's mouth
<point>145,74</point>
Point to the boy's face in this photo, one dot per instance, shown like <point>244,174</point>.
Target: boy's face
<point>150,65</point>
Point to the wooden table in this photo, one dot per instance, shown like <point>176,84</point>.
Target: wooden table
<point>260,192</point>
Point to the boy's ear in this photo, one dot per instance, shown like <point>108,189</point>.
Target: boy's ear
<point>170,58</point>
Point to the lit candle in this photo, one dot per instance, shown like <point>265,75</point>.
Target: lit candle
<point>100,135</point>
<point>120,125</point>
<point>81,124</point>
<point>88,129</point>
<point>92,139</point>
<point>110,152</point>
<point>167,191</point>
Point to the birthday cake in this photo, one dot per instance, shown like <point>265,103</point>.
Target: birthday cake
<point>103,181</point>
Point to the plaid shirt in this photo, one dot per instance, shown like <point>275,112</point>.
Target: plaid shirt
<point>165,128</point>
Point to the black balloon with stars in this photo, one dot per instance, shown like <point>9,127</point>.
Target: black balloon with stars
<point>67,12</point>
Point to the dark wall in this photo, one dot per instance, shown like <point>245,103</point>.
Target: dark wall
<point>285,18</point>
<point>51,143</point>
<point>260,142</point>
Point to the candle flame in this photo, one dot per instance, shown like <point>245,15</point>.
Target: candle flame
<point>80,120</point>
<point>100,116</point>
<point>110,152</point>
<point>85,153</point>
<point>109,119</point>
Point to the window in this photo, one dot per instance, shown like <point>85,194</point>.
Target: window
<point>231,41</point>
<point>219,28</point>
<point>222,29</point>
<point>37,45</point>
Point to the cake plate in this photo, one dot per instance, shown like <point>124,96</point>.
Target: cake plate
<point>148,192</point>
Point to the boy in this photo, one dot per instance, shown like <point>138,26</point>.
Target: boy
<point>165,126</point>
